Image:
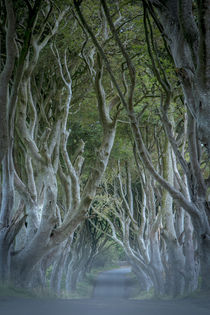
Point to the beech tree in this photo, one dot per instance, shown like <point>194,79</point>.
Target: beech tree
<point>143,65</point>
<point>185,28</point>
<point>158,243</point>
<point>195,203</point>
<point>32,222</point>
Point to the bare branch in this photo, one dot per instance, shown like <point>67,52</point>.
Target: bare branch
<point>124,52</point>
<point>5,77</point>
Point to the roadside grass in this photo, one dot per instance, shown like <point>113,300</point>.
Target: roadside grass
<point>84,291</point>
<point>11,291</point>
<point>145,295</point>
<point>84,288</point>
<point>200,294</point>
<point>136,292</point>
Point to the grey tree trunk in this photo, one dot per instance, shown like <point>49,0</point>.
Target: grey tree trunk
<point>192,267</point>
<point>189,43</point>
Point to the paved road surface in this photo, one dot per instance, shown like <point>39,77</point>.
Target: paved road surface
<point>109,298</point>
<point>112,284</point>
<point>100,307</point>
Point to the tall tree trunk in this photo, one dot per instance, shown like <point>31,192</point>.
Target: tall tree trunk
<point>205,264</point>
<point>191,262</point>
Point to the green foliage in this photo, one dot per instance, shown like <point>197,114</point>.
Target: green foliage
<point>11,291</point>
<point>91,135</point>
<point>123,146</point>
<point>50,93</point>
<point>110,256</point>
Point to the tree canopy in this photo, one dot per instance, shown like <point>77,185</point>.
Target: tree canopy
<point>105,124</point>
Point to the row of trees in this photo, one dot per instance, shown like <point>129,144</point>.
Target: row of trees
<point>43,199</point>
<point>69,69</point>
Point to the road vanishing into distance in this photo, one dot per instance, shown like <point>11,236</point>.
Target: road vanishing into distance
<point>110,297</point>
<point>113,284</point>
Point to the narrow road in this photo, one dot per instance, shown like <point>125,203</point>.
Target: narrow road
<point>14,306</point>
<point>110,297</point>
<point>112,284</point>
